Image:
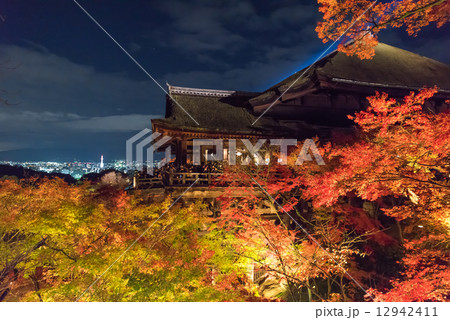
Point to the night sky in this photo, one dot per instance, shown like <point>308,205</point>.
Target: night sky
<point>73,94</point>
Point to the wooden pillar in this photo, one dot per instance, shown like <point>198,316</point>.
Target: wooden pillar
<point>184,151</point>
<point>178,152</point>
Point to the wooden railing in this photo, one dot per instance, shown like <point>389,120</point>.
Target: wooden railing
<point>174,179</point>
<point>146,183</point>
<point>188,178</point>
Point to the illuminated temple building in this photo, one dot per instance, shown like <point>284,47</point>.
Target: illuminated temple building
<point>315,104</point>
<point>318,102</point>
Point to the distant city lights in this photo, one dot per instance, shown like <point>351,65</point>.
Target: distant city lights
<point>76,169</point>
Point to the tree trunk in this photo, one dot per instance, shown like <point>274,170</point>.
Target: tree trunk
<point>10,267</point>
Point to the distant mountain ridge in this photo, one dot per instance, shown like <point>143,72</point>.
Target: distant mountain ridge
<point>35,155</point>
<point>24,173</point>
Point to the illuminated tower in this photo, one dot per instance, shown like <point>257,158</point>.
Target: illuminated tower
<point>101,162</point>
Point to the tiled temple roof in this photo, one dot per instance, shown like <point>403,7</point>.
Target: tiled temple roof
<point>391,67</point>
<point>220,114</point>
<point>226,111</point>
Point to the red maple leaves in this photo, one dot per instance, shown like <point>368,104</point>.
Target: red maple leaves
<point>362,20</point>
<point>396,168</point>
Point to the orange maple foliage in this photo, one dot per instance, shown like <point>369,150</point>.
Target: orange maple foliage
<point>426,276</point>
<point>364,19</point>
<point>379,190</point>
<point>402,152</point>
<point>401,161</point>
<point>302,260</point>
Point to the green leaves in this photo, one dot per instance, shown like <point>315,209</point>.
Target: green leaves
<point>88,229</point>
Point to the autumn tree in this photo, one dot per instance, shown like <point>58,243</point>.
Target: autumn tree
<point>384,187</point>
<point>400,162</point>
<point>426,276</point>
<point>303,254</point>
<point>57,240</point>
<point>401,151</point>
<point>361,20</point>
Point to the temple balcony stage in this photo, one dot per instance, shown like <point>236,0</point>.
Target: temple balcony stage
<point>176,183</point>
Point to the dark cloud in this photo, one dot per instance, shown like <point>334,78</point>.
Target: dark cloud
<point>121,123</point>
<point>42,81</point>
<point>54,101</point>
<point>195,28</point>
